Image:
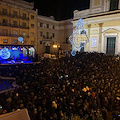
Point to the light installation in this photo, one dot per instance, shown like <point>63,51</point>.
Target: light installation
<point>79,37</point>
<point>4,53</point>
<point>20,39</point>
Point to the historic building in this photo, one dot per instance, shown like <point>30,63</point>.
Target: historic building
<point>102,25</point>
<point>53,35</point>
<point>24,31</point>
<point>18,19</point>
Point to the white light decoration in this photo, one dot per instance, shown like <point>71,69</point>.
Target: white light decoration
<point>20,39</point>
<point>4,53</point>
<point>79,36</point>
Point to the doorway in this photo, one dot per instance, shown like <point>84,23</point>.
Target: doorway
<point>47,49</point>
<point>111,42</point>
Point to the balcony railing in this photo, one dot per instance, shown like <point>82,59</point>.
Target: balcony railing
<point>12,25</point>
<point>44,37</point>
<point>13,35</point>
<point>14,16</point>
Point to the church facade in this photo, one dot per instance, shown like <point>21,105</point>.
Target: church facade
<point>102,25</point>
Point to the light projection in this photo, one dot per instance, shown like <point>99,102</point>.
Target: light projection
<point>79,37</point>
<point>20,39</point>
<point>4,53</point>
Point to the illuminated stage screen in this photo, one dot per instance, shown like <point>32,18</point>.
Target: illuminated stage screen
<point>16,54</point>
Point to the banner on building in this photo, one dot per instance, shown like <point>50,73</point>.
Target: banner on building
<point>94,42</point>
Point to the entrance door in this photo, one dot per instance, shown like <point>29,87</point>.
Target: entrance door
<point>82,49</point>
<point>47,49</point>
<point>111,45</point>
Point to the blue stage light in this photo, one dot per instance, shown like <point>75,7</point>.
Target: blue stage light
<point>4,53</point>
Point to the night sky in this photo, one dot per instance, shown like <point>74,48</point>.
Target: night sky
<point>60,9</point>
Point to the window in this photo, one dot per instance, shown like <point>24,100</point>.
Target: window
<point>24,34</point>
<point>15,32</point>
<point>4,11</point>
<point>5,31</point>
<point>5,40</point>
<point>47,34</point>
<point>32,17</point>
<point>47,25</point>
<point>15,41</point>
<point>32,25</point>
<point>14,13</point>
<point>14,23</point>
<point>40,42</point>
<point>41,24</point>
<point>24,24</point>
<point>53,27</point>
<point>53,35</point>
<point>32,33</point>
<point>67,42</point>
<point>24,15</point>
<point>114,4</point>
<point>41,34</point>
<point>5,22</point>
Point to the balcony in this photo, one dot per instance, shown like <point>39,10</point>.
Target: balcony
<point>14,16</point>
<point>19,26</point>
<point>13,35</point>
<point>12,25</point>
<point>47,39</point>
<point>3,13</point>
<point>44,37</point>
<point>5,24</point>
<point>24,18</point>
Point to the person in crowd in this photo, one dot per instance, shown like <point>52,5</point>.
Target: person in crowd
<point>87,85</point>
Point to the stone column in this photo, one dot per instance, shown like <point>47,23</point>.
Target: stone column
<point>100,36</point>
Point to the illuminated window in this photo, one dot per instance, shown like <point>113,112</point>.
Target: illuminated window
<point>32,33</point>
<point>5,40</point>
<point>15,32</point>
<point>24,34</point>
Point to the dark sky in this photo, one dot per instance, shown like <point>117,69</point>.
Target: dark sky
<point>60,9</point>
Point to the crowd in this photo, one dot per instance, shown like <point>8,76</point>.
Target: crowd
<point>87,85</point>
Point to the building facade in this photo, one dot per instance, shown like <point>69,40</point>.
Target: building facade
<point>53,35</point>
<point>18,19</point>
<point>102,25</point>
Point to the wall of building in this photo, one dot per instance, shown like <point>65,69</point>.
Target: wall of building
<point>15,21</point>
<point>100,26</point>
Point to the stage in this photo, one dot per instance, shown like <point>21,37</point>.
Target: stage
<point>16,55</point>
